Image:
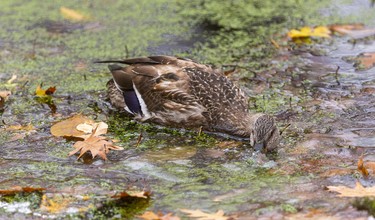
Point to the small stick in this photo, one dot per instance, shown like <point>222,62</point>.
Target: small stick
<point>337,76</point>
<point>139,139</point>
<point>284,128</point>
<point>200,131</point>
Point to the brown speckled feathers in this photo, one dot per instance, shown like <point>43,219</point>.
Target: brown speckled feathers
<point>181,93</point>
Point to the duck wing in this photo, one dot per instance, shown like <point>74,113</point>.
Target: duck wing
<point>157,89</point>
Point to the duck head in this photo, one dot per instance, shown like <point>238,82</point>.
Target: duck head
<point>263,132</point>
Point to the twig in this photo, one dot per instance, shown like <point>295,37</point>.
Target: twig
<point>282,130</point>
<point>139,139</point>
<point>337,76</point>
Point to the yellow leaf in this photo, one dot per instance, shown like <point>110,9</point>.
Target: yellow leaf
<point>71,14</point>
<point>42,93</point>
<point>39,91</point>
<point>56,204</point>
<point>357,191</point>
<point>219,215</point>
<point>307,32</point>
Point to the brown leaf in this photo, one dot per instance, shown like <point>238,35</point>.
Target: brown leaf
<point>67,128</point>
<point>219,215</point>
<point>19,189</point>
<point>4,97</point>
<point>142,194</point>
<point>366,60</point>
<point>152,216</point>
<point>42,93</point>
<point>28,128</point>
<point>344,28</point>
<point>94,129</point>
<point>357,191</point>
<point>97,145</point>
<point>362,168</point>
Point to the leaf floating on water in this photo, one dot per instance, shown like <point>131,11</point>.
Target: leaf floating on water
<point>152,216</point>
<point>67,128</point>
<point>344,28</point>
<point>357,191</point>
<point>142,194</point>
<point>96,145</point>
<point>308,32</point>
<point>18,189</point>
<point>198,214</point>
<point>72,15</point>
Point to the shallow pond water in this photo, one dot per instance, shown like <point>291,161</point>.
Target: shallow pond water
<point>328,116</point>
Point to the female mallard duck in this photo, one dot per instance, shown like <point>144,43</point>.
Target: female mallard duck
<point>181,93</point>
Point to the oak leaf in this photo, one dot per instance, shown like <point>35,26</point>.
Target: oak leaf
<point>97,145</point>
<point>68,127</point>
<point>219,215</point>
<point>72,15</point>
<point>19,189</point>
<point>95,129</point>
<point>152,216</point>
<point>357,191</point>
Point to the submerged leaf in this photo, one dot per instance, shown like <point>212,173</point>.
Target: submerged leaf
<point>219,215</point>
<point>152,216</point>
<point>357,191</point>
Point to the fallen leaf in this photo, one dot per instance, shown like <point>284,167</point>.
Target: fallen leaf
<point>308,32</point>
<point>365,60</point>
<point>3,98</point>
<point>18,189</point>
<point>10,81</point>
<point>142,194</point>
<point>42,93</point>
<point>219,215</point>
<point>343,28</point>
<point>55,204</point>
<point>67,128</point>
<point>72,15</point>
<point>94,129</point>
<point>152,216</point>
<point>97,145</point>
<point>361,168</point>
<point>28,128</point>
<point>357,191</point>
